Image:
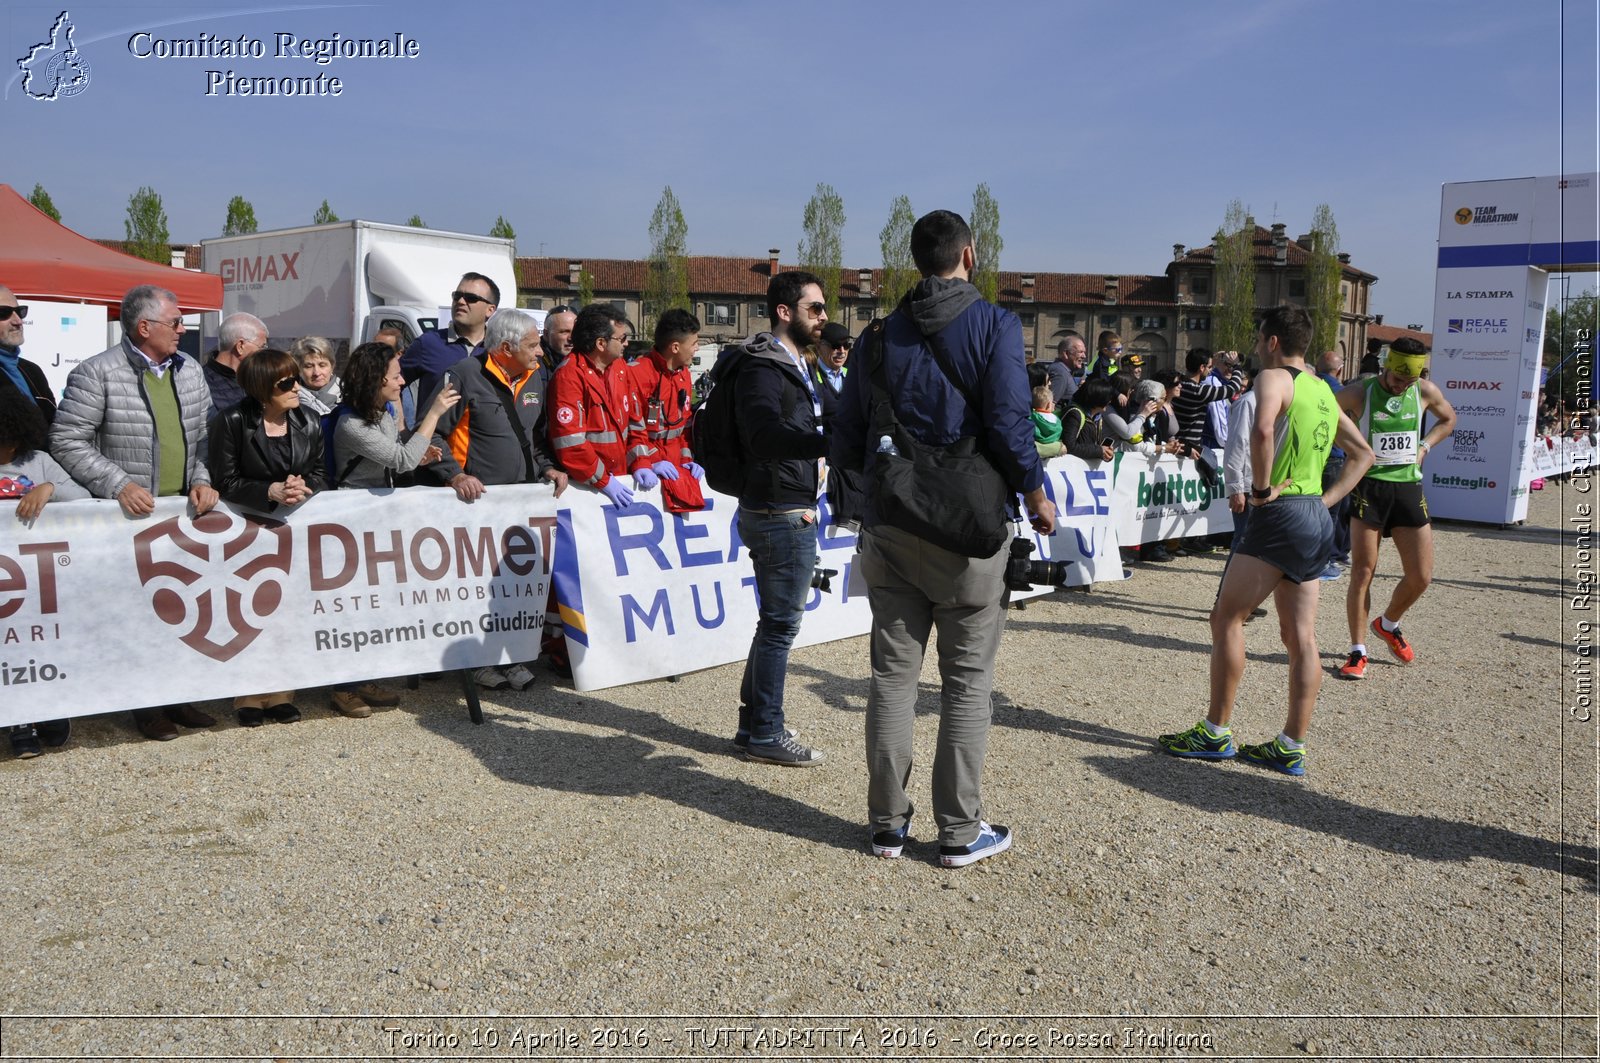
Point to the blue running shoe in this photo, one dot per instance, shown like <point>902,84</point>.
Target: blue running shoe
<point>1199,743</point>
<point>1273,755</point>
<point>991,841</point>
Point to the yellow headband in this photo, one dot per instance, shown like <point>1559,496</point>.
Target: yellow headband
<point>1405,364</point>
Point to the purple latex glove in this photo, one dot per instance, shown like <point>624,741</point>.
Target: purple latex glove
<point>666,470</point>
<point>696,471</point>
<point>644,479</point>
<point>618,492</point>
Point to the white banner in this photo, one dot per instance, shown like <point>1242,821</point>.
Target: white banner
<point>60,335</point>
<point>645,594</point>
<point>99,612</point>
<point>1165,498</point>
<point>1559,455</point>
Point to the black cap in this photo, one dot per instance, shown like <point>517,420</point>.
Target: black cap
<point>833,334</point>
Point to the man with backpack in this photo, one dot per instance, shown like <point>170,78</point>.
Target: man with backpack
<point>758,434</point>
<point>949,366</point>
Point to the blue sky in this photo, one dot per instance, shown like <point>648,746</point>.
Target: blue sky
<point>1107,132</point>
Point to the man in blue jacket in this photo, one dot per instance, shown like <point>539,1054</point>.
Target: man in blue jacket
<point>912,584</point>
<point>779,418</point>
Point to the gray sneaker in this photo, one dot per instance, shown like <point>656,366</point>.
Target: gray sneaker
<point>519,677</point>
<point>489,677</point>
<point>741,739</point>
<point>784,750</point>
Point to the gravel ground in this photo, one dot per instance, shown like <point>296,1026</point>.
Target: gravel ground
<point>417,886</point>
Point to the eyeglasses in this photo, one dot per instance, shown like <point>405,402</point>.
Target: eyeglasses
<point>7,311</point>
<point>620,339</point>
<point>176,324</point>
<point>1114,350</point>
<point>816,308</point>
<point>841,346</point>
<point>287,384</point>
<point>469,298</point>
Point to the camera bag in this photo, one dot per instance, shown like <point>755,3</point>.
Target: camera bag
<point>952,495</point>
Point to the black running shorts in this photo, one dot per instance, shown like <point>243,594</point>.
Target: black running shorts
<point>1387,505</point>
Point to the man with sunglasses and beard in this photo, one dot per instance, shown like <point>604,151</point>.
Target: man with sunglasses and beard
<point>436,350</point>
<point>16,370</point>
<point>779,418</point>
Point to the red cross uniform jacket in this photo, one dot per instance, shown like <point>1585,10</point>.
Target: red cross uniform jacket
<point>596,421</point>
<point>666,396</point>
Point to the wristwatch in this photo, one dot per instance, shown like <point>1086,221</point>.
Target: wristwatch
<point>1260,492</point>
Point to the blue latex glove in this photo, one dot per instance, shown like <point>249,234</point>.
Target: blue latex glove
<point>618,492</point>
<point>666,470</point>
<point>696,471</point>
<point>644,479</point>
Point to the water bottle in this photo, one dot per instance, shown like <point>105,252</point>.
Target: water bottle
<point>886,446</point>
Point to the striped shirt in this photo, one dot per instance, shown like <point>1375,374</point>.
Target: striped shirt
<point>1192,399</point>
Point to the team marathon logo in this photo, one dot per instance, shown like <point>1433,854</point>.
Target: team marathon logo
<point>1484,216</point>
<point>216,579</point>
<point>54,68</point>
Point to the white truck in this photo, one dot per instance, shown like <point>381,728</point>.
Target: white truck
<point>346,280</point>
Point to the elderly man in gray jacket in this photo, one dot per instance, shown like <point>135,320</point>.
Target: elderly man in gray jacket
<point>132,426</point>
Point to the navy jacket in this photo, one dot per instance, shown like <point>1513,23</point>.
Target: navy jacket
<point>986,353</point>
<point>777,428</point>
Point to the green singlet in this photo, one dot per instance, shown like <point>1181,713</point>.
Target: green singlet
<point>1312,419</point>
<point>1393,426</point>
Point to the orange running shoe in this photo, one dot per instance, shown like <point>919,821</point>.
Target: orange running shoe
<point>1354,668</point>
<point>1395,641</point>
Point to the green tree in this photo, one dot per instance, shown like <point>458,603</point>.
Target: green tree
<point>822,246</point>
<point>41,199</point>
<point>667,280</point>
<point>324,215</point>
<point>1323,274</point>
<point>585,288</point>
<point>146,227</point>
<point>1575,322</point>
<point>899,271</point>
<point>986,242</point>
<point>241,218</point>
<point>1233,288</point>
<point>416,222</point>
<point>503,230</point>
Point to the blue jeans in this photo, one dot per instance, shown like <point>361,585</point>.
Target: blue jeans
<point>783,550</point>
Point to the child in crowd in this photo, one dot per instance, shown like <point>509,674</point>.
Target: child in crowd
<point>1046,425</point>
<point>30,477</point>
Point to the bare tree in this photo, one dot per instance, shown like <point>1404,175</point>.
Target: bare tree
<point>822,247</point>
<point>1233,318</point>
<point>899,271</point>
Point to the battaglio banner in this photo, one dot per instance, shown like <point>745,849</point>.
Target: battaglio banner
<point>99,612</point>
<point>1168,498</point>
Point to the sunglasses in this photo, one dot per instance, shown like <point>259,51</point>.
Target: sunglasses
<point>7,311</point>
<point>815,308</point>
<point>469,298</point>
<point>287,384</point>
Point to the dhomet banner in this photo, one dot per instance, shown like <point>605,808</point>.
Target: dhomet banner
<point>645,594</point>
<point>99,612</point>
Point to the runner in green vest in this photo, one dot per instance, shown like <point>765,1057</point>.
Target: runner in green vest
<point>1389,501</point>
<point>1284,547</point>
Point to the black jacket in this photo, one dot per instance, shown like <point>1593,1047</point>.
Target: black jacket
<point>224,385</point>
<point>777,429</point>
<point>38,385</point>
<point>242,462</point>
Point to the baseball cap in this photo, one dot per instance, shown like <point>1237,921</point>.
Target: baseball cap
<point>833,334</point>
<point>1132,359</point>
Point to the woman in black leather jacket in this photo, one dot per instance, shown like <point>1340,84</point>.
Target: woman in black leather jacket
<point>266,456</point>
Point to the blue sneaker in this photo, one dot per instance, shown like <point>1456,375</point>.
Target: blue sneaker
<point>991,841</point>
<point>889,844</point>
<point>1199,743</point>
<point>1273,755</point>
<point>1332,572</point>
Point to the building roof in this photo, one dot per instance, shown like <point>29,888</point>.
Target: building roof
<point>1390,333</point>
<point>1264,254</point>
<point>746,278</point>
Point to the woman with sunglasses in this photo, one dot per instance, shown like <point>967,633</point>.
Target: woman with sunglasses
<point>266,457</point>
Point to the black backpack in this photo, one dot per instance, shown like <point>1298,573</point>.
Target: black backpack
<point>715,431</point>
